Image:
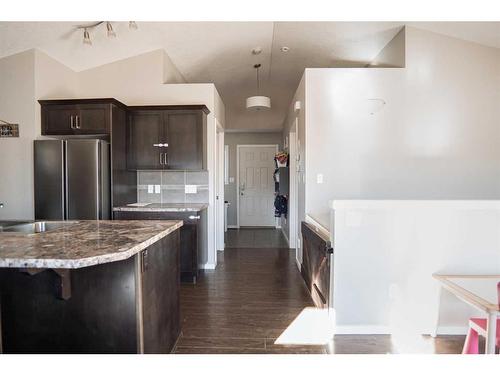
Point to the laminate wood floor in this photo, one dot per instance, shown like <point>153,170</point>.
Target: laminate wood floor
<point>251,299</point>
<point>255,238</point>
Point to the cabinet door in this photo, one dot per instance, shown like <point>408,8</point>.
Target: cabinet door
<point>144,129</point>
<point>93,119</point>
<point>183,131</point>
<point>160,294</point>
<point>59,119</point>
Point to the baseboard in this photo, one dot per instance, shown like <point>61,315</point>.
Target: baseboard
<point>286,237</point>
<point>232,227</point>
<point>362,330</point>
<point>207,266</point>
<point>385,330</point>
<point>299,266</point>
<point>452,330</point>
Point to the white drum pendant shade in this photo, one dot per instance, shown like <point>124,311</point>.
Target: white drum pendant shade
<point>258,102</point>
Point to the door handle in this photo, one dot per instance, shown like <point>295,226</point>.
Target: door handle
<point>161,158</point>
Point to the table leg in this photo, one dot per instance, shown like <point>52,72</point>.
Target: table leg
<point>438,304</point>
<point>491,333</point>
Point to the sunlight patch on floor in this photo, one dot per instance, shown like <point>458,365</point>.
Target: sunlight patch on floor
<point>311,327</point>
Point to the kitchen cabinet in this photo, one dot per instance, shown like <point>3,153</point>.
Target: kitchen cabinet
<point>190,246</point>
<point>104,119</point>
<point>126,306</point>
<point>167,137</point>
<point>77,116</point>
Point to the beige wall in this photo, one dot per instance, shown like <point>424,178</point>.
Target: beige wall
<point>232,140</point>
<point>17,97</point>
<point>393,55</point>
<point>289,126</point>
<point>436,138</point>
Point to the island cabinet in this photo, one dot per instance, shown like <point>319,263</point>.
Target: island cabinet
<point>190,245</point>
<point>127,306</point>
<point>167,137</point>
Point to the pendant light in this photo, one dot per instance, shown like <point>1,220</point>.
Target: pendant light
<point>258,102</point>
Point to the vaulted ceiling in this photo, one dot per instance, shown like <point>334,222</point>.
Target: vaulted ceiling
<point>220,52</point>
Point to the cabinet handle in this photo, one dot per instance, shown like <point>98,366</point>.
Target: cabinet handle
<point>194,217</point>
<point>71,122</point>
<point>77,121</point>
<point>165,159</point>
<point>161,158</point>
<point>160,144</point>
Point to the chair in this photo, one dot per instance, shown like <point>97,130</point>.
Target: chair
<point>477,326</point>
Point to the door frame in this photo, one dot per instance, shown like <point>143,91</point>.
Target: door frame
<point>238,177</point>
<point>219,188</point>
<point>293,197</point>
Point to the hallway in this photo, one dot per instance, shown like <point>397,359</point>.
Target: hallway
<point>255,294</point>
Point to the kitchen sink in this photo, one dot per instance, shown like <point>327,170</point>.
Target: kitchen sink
<point>35,227</point>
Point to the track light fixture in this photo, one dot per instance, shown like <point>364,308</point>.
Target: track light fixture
<point>111,32</point>
<point>86,37</point>
<point>109,28</point>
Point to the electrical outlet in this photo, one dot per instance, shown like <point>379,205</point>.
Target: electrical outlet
<point>157,189</point>
<point>151,189</point>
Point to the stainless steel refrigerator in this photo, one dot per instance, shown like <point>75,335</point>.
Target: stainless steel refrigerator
<point>72,179</point>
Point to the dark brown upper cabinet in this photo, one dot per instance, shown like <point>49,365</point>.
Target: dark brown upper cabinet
<point>105,118</point>
<point>167,137</point>
<point>77,116</point>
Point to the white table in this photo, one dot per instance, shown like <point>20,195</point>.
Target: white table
<point>479,291</point>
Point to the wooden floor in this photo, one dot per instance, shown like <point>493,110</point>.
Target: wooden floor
<point>255,238</point>
<point>254,295</point>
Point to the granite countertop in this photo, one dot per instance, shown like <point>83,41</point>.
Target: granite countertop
<point>163,207</point>
<point>82,243</point>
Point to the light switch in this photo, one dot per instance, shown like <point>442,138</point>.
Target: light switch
<point>319,178</point>
<point>151,189</point>
<point>157,189</point>
<point>190,189</point>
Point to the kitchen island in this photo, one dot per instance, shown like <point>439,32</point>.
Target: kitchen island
<point>91,287</point>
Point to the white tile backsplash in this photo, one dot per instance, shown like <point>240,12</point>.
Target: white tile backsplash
<point>172,186</point>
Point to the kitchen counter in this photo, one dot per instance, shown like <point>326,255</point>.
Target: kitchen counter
<point>91,287</point>
<point>163,207</point>
<point>82,244</point>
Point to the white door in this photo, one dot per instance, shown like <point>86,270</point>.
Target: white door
<point>256,185</point>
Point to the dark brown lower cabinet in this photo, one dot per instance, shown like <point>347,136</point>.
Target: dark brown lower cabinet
<point>129,306</point>
<point>316,264</point>
<point>190,245</point>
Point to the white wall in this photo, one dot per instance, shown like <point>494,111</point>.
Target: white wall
<point>393,55</point>
<point>17,97</point>
<point>386,253</point>
<point>436,138</point>
<point>289,125</point>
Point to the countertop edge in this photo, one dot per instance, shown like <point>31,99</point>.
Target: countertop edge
<point>90,261</point>
<point>158,209</point>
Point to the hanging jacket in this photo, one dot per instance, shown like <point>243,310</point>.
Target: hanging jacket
<point>280,206</point>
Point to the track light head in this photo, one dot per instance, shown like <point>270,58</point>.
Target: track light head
<point>86,37</point>
<point>111,32</point>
